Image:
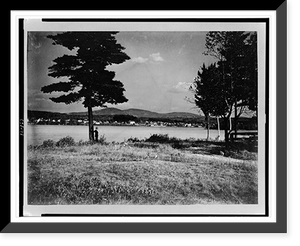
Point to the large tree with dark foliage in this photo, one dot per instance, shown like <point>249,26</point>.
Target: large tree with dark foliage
<point>237,64</point>
<point>89,80</point>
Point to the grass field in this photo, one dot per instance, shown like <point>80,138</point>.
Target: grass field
<point>141,172</point>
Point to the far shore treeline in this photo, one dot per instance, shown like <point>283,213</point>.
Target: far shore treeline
<point>111,116</point>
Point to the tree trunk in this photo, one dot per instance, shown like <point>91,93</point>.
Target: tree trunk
<point>219,134</point>
<point>226,130</point>
<point>235,119</point>
<point>91,123</point>
<point>207,126</point>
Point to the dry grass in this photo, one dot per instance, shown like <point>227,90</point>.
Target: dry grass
<point>133,173</point>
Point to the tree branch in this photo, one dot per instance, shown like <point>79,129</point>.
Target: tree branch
<point>60,86</point>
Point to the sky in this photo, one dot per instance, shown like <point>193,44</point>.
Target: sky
<point>156,78</point>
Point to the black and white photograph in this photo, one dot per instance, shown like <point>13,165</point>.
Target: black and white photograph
<point>141,116</point>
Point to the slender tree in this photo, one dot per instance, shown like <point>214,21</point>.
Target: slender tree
<point>88,79</point>
<point>204,89</point>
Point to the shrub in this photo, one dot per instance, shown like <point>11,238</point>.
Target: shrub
<point>85,143</point>
<point>102,139</point>
<point>48,144</point>
<point>133,140</point>
<point>66,141</point>
<point>81,142</point>
<point>164,138</point>
<point>158,138</point>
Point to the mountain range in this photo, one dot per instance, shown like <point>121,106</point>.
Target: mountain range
<point>138,113</point>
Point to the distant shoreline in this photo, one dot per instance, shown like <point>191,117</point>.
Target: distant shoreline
<point>133,117</point>
<point>111,124</point>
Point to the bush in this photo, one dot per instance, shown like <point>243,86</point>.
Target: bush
<point>102,139</point>
<point>164,138</point>
<point>85,143</point>
<point>133,140</point>
<point>66,141</point>
<point>48,144</point>
<point>159,138</point>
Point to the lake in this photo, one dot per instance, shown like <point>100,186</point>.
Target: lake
<point>36,134</point>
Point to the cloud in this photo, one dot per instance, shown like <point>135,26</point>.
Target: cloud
<point>139,59</point>
<point>152,58</point>
<point>180,87</point>
<point>156,57</point>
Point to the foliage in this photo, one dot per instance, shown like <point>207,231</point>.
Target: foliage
<point>48,143</point>
<point>88,78</point>
<point>237,62</point>
<point>205,88</point>
<point>84,143</point>
<point>232,82</point>
<point>208,93</point>
<point>65,141</point>
<point>133,140</point>
<point>86,70</point>
<point>102,139</point>
<point>160,138</point>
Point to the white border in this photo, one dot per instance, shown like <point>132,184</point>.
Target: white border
<point>15,15</point>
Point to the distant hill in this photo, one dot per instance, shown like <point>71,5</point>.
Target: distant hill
<point>108,111</point>
<point>141,113</point>
<point>138,113</point>
<point>43,114</point>
<point>181,115</point>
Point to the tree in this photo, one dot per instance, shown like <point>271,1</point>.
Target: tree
<point>88,79</point>
<point>252,73</point>
<point>205,88</point>
<point>237,63</point>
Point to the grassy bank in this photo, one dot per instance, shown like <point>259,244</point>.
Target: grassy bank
<point>141,172</point>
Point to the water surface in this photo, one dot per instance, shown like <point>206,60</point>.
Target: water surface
<point>36,134</point>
